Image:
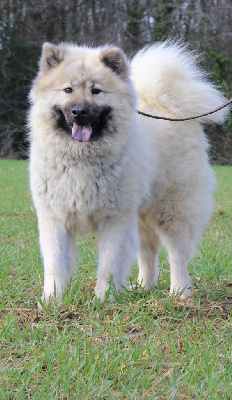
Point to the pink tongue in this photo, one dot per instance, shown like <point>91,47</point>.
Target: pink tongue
<point>81,133</point>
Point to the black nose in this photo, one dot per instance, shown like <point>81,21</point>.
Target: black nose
<point>81,111</point>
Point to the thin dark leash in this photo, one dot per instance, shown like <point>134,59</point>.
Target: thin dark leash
<point>189,118</point>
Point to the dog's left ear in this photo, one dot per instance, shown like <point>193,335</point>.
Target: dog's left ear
<point>115,59</point>
<point>51,57</point>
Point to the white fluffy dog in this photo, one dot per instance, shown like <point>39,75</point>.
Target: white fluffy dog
<point>96,165</point>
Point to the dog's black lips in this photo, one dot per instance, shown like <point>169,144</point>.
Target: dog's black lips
<point>99,126</point>
<point>60,120</point>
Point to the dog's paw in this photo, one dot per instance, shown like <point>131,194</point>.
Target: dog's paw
<point>48,300</point>
<point>106,291</point>
<point>181,293</point>
<point>100,292</point>
<point>148,282</point>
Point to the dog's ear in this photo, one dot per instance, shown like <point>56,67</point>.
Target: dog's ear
<point>115,59</point>
<point>52,56</point>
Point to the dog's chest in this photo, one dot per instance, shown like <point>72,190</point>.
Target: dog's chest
<point>84,188</point>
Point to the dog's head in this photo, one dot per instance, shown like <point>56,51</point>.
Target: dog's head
<point>87,91</point>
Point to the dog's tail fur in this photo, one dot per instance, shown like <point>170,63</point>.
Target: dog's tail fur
<point>168,79</point>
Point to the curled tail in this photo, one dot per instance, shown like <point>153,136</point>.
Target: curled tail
<point>167,77</point>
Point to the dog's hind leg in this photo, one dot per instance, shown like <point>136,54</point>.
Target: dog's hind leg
<point>118,245</point>
<point>180,245</point>
<point>58,248</point>
<point>148,256</point>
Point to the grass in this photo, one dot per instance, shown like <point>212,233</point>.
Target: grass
<point>144,346</point>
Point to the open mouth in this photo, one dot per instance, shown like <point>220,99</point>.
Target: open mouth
<point>83,133</point>
<point>88,130</point>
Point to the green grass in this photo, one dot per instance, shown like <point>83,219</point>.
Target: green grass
<point>144,346</point>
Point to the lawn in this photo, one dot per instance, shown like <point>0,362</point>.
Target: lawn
<point>143,346</point>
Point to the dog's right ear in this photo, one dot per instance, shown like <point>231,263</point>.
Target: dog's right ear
<point>52,56</point>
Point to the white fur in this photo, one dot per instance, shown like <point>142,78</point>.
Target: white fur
<point>154,180</point>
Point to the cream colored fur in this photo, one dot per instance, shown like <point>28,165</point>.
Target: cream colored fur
<point>154,182</point>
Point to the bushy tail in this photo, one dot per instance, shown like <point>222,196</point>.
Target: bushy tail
<point>167,77</point>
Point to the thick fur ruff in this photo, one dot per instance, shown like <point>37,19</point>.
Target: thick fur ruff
<point>95,165</point>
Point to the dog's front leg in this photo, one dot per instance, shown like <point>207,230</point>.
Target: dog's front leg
<point>59,254</point>
<point>118,244</point>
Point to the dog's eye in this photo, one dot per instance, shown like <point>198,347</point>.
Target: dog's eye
<point>68,90</point>
<point>96,91</point>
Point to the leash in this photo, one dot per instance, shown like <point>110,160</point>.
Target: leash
<point>189,118</point>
